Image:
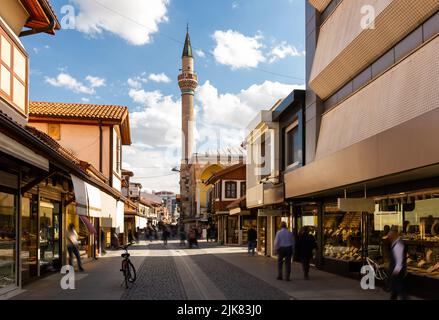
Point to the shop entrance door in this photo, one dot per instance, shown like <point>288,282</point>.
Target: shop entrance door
<point>29,246</point>
<point>49,236</point>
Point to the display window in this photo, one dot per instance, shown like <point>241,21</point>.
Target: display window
<point>8,239</point>
<point>246,223</point>
<point>342,235</point>
<point>85,249</point>
<point>418,220</point>
<point>49,224</point>
<point>262,235</point>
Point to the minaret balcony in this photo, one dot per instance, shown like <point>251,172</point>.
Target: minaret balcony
<point>187,76</point>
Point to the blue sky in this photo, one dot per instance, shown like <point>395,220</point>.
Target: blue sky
<point>129,53</point>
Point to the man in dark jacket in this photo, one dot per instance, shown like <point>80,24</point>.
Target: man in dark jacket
<point>306,243</point>
<point>252,236</point>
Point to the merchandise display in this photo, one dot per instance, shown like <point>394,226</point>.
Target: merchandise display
<point>342,236</point>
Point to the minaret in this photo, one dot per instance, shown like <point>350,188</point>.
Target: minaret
<point>188,82</point>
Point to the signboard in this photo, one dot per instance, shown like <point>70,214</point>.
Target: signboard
<point>356,205</point>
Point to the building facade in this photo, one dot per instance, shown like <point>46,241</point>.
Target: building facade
<point>227,186</point>
<point>371,155</point>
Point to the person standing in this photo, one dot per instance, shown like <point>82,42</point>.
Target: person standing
<point>73,246</point>
<point>252,237</point>
<point>398,265</point>
<point>165,236</point>
<point>306,243</point>
<point>182,237</point>
<point>283,245</point>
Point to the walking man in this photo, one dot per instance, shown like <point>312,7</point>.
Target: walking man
<point>252,236</point>
<point>283,245</point>
<point>73,246</point>
<point>306,243</point>
<point>398,265</point>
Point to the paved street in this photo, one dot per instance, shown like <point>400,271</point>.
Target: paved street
<point>209,273</point>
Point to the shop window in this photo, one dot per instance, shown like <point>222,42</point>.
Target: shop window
<point>342,235</point>
<point>8,238</point>
<point>231,189</point>
<point>418,221</point>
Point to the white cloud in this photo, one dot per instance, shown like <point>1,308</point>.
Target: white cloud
<point>200,53</point>
<point>160,77</point>
<point>136,82</point>
<point>235,5</point>
<point>133,20</point>
<point>237,50</point>
<point>95,82</point>
<point>64,80</point>
<point>282,51</point>
<point>85,100</point>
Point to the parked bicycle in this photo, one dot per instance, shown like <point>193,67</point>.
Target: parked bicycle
<point>380,273</point>
<point>128,270</point>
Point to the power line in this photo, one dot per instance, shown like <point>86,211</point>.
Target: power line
<point>181,42</point>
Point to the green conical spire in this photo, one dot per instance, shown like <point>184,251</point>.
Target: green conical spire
<point>187,51</point>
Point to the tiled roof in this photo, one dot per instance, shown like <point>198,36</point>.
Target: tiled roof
<point>77,111</point>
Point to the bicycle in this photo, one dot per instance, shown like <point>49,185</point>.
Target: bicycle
<point>380,273</point>
<point>128,270</point>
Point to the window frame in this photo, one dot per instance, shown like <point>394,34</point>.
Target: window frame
<point>9,98</point>
<point>291,127</point>
<point>228,194</point>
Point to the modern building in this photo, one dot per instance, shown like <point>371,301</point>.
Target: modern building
<point>274,147</point>
<point>371,152</point>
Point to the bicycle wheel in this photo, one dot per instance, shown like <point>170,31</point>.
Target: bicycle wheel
<point>131,272</point>
<point>125,272</point>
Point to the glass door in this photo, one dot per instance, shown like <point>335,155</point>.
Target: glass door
<point>49,226</point>
<point>29,246</point>
<point>262,235</point>
<point>8,239</point>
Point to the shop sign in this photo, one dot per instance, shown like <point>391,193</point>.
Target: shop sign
<point>356,205</point>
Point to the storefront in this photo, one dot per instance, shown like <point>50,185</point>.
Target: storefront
<point>8,230</point>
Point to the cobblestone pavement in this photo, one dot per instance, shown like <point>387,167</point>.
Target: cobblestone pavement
<point>211,272</point>
<point>235,283</point>
<point>157,279</point>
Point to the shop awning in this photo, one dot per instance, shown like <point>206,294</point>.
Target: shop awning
<point>91,201</point>
<point>109,208</point>
<point>88,224</point>
<point>17,150</point>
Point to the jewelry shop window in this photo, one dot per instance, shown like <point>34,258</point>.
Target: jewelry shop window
<point>342,234</point>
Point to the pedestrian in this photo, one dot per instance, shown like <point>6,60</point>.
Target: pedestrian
<point>73,246</point>
<point>192,238</point>
<point>306,243</point>
<point>103,245</point>
<point>252,236</point>
<point>398,265</point>
<point>385,245</point>
<point>165,236</point>
<point>182,237</point>
<point>208,233</point>
<point>130,236</point>
<point>283,245</point>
